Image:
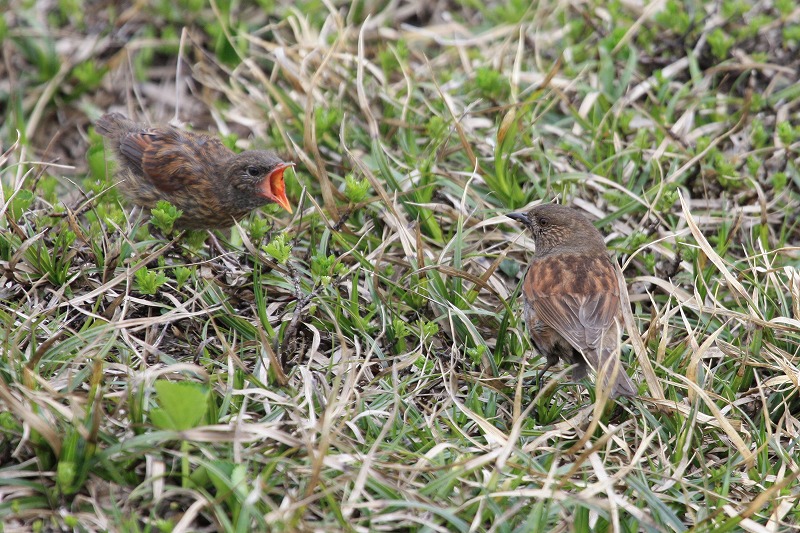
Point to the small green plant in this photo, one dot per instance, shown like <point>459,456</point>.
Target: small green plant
<point>355,189</point>
<point>758,135</point>
<point>779,181</point>
<point>720,43</point>
<point>149,281</point>
<point>54,260</point>
<point>41,53</point>
<point>258,228</point>
<point>99,166</point>
<point>491,84</point>
<point>327,120</point>
<point>323,267</point>
<point>475,354</point>
<point>734,8</point>
<point>230,481</point>
<point>195,239</point>
<point>674,17</point>
<point>164,216</point>
<point>435,127</point>
<point>785,7</point>
<point>228,52</point>
<point>279,249</point>
<point>391,57</point>
<point>511,12</point>
<point>791,35</point>
<point>786,133</point>
<point>399,332</point>
<point>182,275</point>
<point>181,405</point>
<point>74,464</point>
<point>429,329</point>
<point>756,24</point>
<point>230,140</point>
<point>20,203</point>
<point>753,166</point>
<point>726,169</point>
<point>667,199</point>
<point>88,76</point>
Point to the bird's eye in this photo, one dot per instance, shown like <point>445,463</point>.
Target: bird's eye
<point>543,221</point>
<point>253,172</point>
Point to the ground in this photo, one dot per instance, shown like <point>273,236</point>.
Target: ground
<point>361,364</point>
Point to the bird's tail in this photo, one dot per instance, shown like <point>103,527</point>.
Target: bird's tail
<point>609,368</point>
<point>114,125</point>
<point>623,386</point>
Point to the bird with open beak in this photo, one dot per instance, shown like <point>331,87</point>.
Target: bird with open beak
<point>195,172</point>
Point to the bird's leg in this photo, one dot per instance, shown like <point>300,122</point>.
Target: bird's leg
<point>540,375</point>
<point>216,244</point>
<point>550,362</point>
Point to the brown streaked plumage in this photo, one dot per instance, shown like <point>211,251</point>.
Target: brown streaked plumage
<point>571,296</point>
<point>195,172</point>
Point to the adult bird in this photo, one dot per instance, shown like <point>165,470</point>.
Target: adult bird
<point>571,296</point>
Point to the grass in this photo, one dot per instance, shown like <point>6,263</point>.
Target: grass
<point>361,365</point>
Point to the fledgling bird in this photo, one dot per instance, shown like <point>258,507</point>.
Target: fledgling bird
<point>195,172</point>
<point>571,296</point>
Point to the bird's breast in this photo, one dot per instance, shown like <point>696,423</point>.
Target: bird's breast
<point>577,274</point>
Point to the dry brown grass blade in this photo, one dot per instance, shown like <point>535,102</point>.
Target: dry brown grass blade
<point>3,160</point>
<point>555,69</point>
<point>462,136</point>
<point>599,405</point>
<point>29,417</point>
<point>310,136</point>
<point>326,422</point>
<point>758,503</point>
<point>713,144</point>
<point>697,355</point>
<point>493,435</point>
<point>728,426</point>
<point>127,275</point>
<point>593,447</point>
<point>639,347</point>
<point>363,101</point>
<point>20,253</point>
<point>489,272</point>
<point>686,410</point>
<point>242,433</point>
<point>280,375</point>
<point>736,287</point>
<point>453,272</point>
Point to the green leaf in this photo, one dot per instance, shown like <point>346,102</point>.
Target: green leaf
<point>164,215</point>
<point>182,405</point>
<point>279,249</point>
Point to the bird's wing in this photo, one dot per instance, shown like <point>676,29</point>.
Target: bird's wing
<point>586,322</point>
<point>579,298</point>
<point>169,158</point>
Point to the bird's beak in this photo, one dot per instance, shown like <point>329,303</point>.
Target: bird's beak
<point>520,217</point>
<point>275,188</point>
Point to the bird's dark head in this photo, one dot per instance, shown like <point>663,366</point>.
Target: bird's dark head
<point>257,179</point>
<point>555,227</point>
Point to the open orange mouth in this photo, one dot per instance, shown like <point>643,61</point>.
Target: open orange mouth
<point>275,187</point>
